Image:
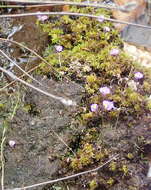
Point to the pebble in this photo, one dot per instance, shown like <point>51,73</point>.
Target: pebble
<point>142,57</point>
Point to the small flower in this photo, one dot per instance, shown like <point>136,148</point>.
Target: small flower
<point>42,17</point>
<point>138,75</point>
<point>114,52</point>
<point>101,18</point>
<point>58,48</point>
<point>12,143</point>
<point>94,107</point>
<point>106,29</point>
<point>105,90</point>
<point>108,105</point>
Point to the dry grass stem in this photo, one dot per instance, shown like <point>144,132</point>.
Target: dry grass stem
<point>2,157</point>
<point>126,8</point>
<point>73,14</point>
<point>67,177</point>
<point>67,102</point>
<point>14,63</point>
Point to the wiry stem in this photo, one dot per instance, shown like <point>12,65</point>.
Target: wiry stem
<point>67,177</point>
<point>25,47</point>
<point>66,102</point>
<point>14,63</point>
<point>125,8</point>
<point>2,156</point>
<point>73,14</point>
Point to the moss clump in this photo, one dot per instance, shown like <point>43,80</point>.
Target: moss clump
<point>88,58</point>
<point>87,155</point>
<point>84,157</point>
<point>110,181</point>
<point>2,106</point>
<point>88,151</point>
<point>113,166</point>
<point>149,104</point>
<point>31,109</point>
<point>94,57</point>
<point>93,185</point>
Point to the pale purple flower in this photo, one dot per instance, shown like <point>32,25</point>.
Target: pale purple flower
<point>101,18</point>
<point>12,143</point>
<point>108,105</point>
<point>114,52</point>
<point>106,29</point>
<point>94,107</point>
<point>138,75</point>
<point>42,17</point>
<point>58,48</point>
<point>105,90</point>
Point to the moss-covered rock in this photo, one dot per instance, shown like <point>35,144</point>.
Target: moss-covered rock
<point>92,54</point>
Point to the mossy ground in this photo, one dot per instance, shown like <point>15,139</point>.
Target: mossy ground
<point>94,137</point>
<point>86,59</point>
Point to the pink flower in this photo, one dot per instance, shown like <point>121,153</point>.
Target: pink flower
<point>58,48</point>
<point>101,18</point>
<point>105,90</point>
<point>106,29</point>
<point>138,75</point>
<point>12,143</point>
<point>94,107</point>
<point>42,17</point>
<point>108,105</point>
<point>114,52</point>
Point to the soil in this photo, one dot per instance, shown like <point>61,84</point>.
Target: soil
<point>32,160</point>
<point>35,131</point>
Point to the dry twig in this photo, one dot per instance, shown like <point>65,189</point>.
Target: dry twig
<point>67,177</point>
<point>67,102</point>
<point>2,156</point>
<point>36,54</point>
<point>73,14</point>
<point>125,8</point>
<point>14,63</point>
<point>25,47</point>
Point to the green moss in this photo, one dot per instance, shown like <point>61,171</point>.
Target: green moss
<point>84,42</point>
<point>148,104</point>
<point>27,107</point>
<point>84,157</point>
<point>87,116</point>
<point>130,156</point>
<point>124,169</point>
<point>91,79</point>
<point>113,166</point>
<point>2,106</point>
<point>147,86</point>
<point>31,109</point>
<point>86,59</point>
<point>89,151</point>
<point>93,185</point>
<point>110,181</point>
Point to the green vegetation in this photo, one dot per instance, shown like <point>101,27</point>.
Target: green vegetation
<point>117,94</point>
<point>87,59</point>
<point>92,55</point>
